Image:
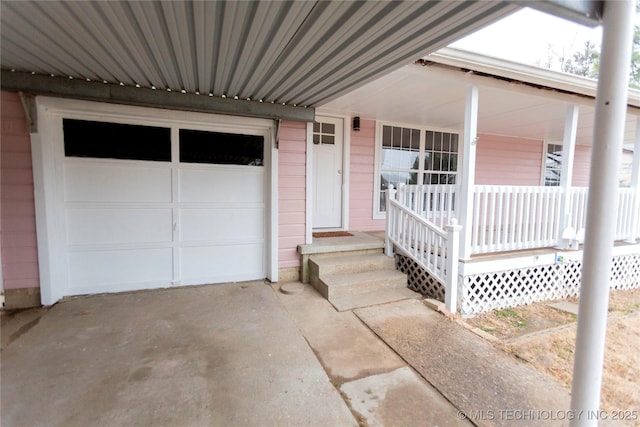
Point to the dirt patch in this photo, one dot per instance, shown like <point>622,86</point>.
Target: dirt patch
<point>516,322</point>
<point>551,349</point>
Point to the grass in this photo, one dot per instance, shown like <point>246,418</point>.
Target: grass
<point>514,318</point>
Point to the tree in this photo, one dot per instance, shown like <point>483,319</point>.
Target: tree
<point>586,62</point>
<point>583,63</point>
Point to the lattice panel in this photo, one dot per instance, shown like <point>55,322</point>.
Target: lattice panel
<point>504,289</point>
<point>625,272</point>
<point>419,280</point>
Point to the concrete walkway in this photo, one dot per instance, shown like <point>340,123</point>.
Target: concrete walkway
<point>380,387</point>
<point>219,355</point>
<point>247,354</point>
<point>491,387</point>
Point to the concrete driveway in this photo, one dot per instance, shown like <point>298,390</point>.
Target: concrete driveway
<point>196,356</point>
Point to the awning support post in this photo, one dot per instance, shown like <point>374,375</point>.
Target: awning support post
<point>608,135</point>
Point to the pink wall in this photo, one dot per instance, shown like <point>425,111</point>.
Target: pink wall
<point>17,210</point>
<point>291,191</point>
<point>502,160</point>
<point>581,166</point>
<point>361,179</point>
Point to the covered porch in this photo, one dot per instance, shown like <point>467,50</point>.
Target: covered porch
<point>514,242</point>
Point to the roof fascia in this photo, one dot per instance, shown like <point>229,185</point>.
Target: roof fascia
<point>104,92</point>
<point>470,61</point>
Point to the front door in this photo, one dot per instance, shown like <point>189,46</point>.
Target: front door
<point>327,172</point>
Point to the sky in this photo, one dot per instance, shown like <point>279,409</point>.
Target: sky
<point>525,36</point>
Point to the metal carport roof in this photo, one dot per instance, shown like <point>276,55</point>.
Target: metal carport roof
<point>292,53</point>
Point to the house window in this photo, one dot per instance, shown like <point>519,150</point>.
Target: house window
<point>552,165</point>
<point>198,146</point>
<point>102,140</point>
<point>324,133</point>
<point>412,155</point>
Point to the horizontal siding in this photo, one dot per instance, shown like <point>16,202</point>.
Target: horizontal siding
<point>291,191</point>
<point>508,161</point>
<point>581,166</point>
<point>17,209</point>
<point>361,179</point>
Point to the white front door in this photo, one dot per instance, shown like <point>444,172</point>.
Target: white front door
<point>328,138</point>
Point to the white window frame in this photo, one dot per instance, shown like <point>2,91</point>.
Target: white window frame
<point>377,213</point>
<point>543,174</point>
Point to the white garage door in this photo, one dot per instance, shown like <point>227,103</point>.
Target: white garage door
<point>149,206</point>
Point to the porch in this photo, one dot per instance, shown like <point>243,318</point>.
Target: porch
<point>523,246</point>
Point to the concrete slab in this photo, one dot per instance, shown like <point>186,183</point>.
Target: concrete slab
<point>491,387</point>
<point>210,355</point>
<point>400,398</point>
<point>569,307</point>
<point>344,345</point>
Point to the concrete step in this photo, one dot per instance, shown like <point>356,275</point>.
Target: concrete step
<point>321,266</point>
<point>384,296</point>
<point>339,285</point>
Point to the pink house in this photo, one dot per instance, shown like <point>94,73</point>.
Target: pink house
<point>157,170</point>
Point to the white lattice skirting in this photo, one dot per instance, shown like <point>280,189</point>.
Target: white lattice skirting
<point>510,288</point>
<point>418,279</point>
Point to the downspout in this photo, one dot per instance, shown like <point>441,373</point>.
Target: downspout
<point>608,135</point>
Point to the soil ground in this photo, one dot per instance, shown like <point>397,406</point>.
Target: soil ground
<point>545,337</point>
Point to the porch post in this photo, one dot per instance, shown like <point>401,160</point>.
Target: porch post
<point>468,170</point>
<point>390,222</point>
<point>635,185</point>
<point>566,174</point>
<point>451,278</point>
<point>608,134</point>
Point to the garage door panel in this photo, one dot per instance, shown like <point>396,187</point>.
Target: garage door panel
<point>222,224</point>
<point>119,226</point>
<point>221,263</point>
<point>222,184</point>
<point>109,182</point>
<point>92,269</point>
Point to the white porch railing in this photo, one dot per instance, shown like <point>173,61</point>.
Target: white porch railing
<point>434,202</point>
<point>431,247</point>
<point>507,218</point>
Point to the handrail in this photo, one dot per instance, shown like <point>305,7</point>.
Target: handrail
<point>431,247</point>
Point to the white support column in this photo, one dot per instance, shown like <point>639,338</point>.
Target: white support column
<point>566,174</point>
<point>635,185</point>
<point>608,135</point>
<point>468,170</point>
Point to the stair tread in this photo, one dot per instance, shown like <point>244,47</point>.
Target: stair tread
<point>383,296</point>
<point>348,279</point>
<point>349,259</point>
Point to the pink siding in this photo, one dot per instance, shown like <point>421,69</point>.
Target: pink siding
<point>581,162</point>
<point>17,211</point>
<point>502,160</point>
<point>291,192</point>
<point>361,179</point>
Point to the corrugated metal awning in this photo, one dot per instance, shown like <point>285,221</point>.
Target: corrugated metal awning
<point>299,53</point>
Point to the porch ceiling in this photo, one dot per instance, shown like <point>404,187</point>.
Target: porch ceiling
<point>434,95</point>
<point>299,53</point>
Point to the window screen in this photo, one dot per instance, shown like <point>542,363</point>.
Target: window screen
<point>221,148</point>
<point>84,138</point>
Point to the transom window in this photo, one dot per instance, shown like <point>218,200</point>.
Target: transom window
<point>197,146</point>
<point>552,165</point>
<point>103,140</point>
<point>415,156</point>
